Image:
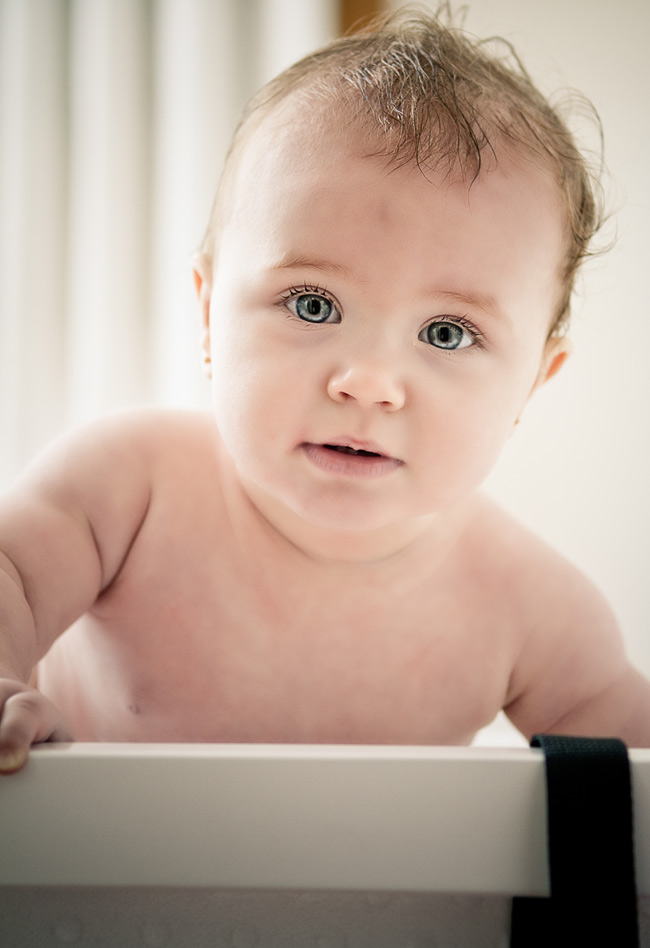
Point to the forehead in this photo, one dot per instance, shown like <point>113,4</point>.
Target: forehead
<point>296,143</point>
<point>315,176</point>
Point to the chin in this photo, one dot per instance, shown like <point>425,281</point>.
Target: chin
<point>355,517</point>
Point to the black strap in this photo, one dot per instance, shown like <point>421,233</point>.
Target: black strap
<point>590,848</point>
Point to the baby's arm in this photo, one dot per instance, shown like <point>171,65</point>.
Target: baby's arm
<point>573,676</point>
<point>65,530</point>
<point>26,716</point>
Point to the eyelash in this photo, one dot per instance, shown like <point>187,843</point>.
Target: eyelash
<point>298,290</point>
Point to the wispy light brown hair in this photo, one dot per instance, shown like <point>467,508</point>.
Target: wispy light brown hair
<point>434,95</point>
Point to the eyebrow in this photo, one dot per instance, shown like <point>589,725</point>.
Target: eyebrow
<point>483,301</point>
<point>326,266</point>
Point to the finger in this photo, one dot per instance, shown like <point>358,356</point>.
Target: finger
<point>27,718</point>
<point>12,759</point>
<point>19,725</point>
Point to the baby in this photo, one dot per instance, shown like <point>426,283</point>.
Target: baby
<point>384,283</point>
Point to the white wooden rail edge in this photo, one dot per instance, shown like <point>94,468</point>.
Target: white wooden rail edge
<point>287,817</point>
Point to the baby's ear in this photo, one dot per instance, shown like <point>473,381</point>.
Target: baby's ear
<point>556,351</point>
<point>202,272</point>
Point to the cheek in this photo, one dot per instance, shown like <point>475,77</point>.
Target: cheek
<point>466,431</point>
<point>233,383</point>
<point>241,401</point>
<point>251,390</point>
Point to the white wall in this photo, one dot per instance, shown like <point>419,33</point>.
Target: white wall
<point>578,468</point>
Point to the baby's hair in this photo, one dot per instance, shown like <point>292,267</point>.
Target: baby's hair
<point>434,95</point>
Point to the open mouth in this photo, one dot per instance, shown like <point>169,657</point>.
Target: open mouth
<point>344,449</point>
<point>342,460</point>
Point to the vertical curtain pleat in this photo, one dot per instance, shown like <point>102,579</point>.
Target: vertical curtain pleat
<point>33,214</point>
<point>109,200</point>
<point>288,30</point>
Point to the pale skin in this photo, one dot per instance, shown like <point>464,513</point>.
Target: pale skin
<point>241,575</point>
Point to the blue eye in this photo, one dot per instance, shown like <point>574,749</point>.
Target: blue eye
<point>312,308</point>
<point>447,335</point>
<point>315,309</point>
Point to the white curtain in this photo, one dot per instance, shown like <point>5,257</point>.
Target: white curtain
<point>114,119</point>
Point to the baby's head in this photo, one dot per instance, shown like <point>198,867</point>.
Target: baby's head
<point>386,279</point>
<point>423,93</point>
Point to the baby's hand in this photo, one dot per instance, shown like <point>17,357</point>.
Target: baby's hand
<point>26,717</point>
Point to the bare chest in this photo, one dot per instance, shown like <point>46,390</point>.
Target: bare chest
<point>218,639</point>
<point>232,655</point>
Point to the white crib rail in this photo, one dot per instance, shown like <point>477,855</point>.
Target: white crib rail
<point>409,819</point>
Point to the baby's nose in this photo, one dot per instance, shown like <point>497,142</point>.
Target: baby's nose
<point>368,383</point>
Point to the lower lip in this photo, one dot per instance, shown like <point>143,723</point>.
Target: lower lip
<point>349,465</point>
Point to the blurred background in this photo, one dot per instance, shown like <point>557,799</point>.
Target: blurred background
<point>114,119</point>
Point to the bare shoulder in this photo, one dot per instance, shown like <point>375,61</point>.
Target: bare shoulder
<point>115,463</point>
<point>127,445</point>
<point>92,487</point>
<point>544,584</point>
<point>568,647</point>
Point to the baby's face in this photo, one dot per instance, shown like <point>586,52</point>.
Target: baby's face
<point>356,307</point>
